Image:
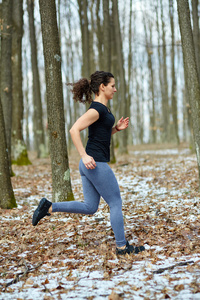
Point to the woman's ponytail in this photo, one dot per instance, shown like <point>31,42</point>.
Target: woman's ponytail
<point>82,90</point>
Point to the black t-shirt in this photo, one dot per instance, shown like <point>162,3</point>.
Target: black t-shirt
<point>98,145</point>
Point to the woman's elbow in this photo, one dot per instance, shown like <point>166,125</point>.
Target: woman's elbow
<point>73,130</point>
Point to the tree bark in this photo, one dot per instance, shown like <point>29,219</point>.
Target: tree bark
<point>173,75</point>
<point>93,63</point>
<point>85,37</point>
<point>196,34</point>
<point>18,148</point>
<point>7,198</point>
<point>122,84</point>
<point>106,58</point>
<point>100,36</point>
<point>6,72</point>
<point>130,67</point>
<point>152,112</point>
<point>106,36</point>
<point>160,114</point>
<point>55,109</point>
<point>190,69</point>
<point>27,101</point>
<point>165,99</point>
<point>39,139</point>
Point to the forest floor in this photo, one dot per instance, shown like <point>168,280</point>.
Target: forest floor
<point>73,256</point>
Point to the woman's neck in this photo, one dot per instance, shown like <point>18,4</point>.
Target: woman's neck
<point>101,99</point>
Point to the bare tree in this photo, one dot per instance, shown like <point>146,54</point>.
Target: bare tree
<point>100,36</point>
<point>122,83</point>
<point>173,75</point>
<point>38,113</point>
<point>106,36</point>
<point>6,71</point>
<point>191,74</point>
<point>165,98</point>
<point>26,101</point>
<point>152,112</point>
<point>196,33</point>
<point>19,151</point>
<point>83,4</point>
<point>7,198</point>
<point>130,67</point>
<point>92,31</point>
<point>62,190</point>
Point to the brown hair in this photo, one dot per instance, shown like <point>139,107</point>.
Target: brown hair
<point>82,89</point>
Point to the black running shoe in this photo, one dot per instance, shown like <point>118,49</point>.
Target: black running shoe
<point>129,249</point>
<point>41,211</point>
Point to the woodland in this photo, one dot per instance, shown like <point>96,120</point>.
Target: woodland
<point>153,49</point>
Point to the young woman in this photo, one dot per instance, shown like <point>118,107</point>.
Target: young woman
<point>98,178</point>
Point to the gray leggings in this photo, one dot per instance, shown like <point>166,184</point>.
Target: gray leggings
<point>98,182</point>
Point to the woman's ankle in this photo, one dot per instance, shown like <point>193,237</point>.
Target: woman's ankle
<point>50,209</point>
<point>121,248</point>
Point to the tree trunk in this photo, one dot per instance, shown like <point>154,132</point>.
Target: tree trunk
<point>160,125</point>
<point>19,151</point>
<point>191,73</point>
<point>106,57</point>
<point>71,106</point>
<point>165,99</point>
<point>106,36</point>
<point>55,109</point>
<point>114,71</point>
<point>7,198</point>
<point>85,49</point>
<point>39,139</point>
<point>6,71</point>
<point>100,36</point>
<point>196,34</point>
<point>27,101</point>
<point>85,37</point>
<point>173,75</point>
<point>130,67</point>
<point>122,84</point>
<point>92,39</point>
<point>151,82</point>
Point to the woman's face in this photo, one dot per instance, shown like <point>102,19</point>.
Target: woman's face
<point>110,89</point>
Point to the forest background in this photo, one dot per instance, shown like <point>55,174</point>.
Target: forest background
<point>152,48</point>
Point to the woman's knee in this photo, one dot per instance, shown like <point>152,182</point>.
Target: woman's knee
<point>116,204</point>
<point>92,210</point>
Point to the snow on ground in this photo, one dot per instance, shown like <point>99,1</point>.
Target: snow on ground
<point>151,190</point>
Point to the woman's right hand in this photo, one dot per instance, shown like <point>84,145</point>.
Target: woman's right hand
<point>88,161</point>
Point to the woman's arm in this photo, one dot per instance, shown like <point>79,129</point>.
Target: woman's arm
<point>121,125</point>
<point>83,122</point>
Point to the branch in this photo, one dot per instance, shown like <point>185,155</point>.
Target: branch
<point>22,274</point>
<point>184,263</point>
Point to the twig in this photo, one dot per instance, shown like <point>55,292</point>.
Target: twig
<point>47,290</point>
<point>22,274</point>
<point>183,263</point>
<point>82,278</point>
<point>76,283</point>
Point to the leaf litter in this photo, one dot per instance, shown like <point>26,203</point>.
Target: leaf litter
<point>73,256</point>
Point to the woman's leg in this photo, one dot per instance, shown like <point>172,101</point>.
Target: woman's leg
<point>88,207</point>
<point>105,182</point>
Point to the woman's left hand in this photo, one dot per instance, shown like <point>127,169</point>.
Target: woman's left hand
<point>123,123</point>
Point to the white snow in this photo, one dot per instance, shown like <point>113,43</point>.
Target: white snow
<point>137,282</point>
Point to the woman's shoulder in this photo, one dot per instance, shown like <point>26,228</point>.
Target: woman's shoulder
<point>101,108</point>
